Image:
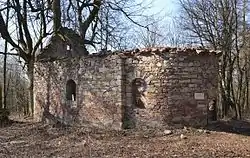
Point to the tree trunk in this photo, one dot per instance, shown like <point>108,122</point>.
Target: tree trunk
<point>246,107</point>
<point>5,76</point>
<point>5,63</point>
<point>31,87</point>
<point>57,15</point>
<point>238,111</point>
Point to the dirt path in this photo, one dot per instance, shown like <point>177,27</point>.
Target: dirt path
<point>38,140</point>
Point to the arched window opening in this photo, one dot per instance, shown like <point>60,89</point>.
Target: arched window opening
<point>139,88</point>
<point>71,90</point>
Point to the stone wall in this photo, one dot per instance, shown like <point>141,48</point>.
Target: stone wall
<point>191,84</point>
<point>98,90</point>
<point>151,68</point>
<point>176,87</point>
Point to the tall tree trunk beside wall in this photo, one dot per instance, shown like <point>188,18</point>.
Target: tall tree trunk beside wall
<point>5,76</point>
<point>5,62</point>
<point>31,86</point>
<point>56,8</point>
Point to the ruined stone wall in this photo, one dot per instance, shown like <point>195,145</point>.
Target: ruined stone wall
<point>101,87</point>
<point>180,85</point>
<point>192,83</point>
<point>98,90</point>
<point>150,68</point>
<point>176,87</point>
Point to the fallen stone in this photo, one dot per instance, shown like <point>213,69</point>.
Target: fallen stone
<point>185,128</point>
<point>183,136</point>
<point>200,130</point>
<point>203,131</point>
<point>82,143</point>
<point>167,132</point>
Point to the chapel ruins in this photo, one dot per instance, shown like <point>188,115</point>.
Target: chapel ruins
<point>125,89</point>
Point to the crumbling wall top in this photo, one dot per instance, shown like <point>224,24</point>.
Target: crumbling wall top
<point>148,52</point>
<point>158,50</point>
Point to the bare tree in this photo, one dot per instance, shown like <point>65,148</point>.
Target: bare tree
<point>221,25</point>
<point>16,87</point>
<point>5,61</point>
<point>32,21</point>
<point>25,41</point>
<point>107,23</point>
<point>154,35</point>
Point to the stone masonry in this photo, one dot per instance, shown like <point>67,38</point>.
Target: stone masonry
<point>147,87</point>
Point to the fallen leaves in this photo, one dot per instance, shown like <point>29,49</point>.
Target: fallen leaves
<point>39,140</point>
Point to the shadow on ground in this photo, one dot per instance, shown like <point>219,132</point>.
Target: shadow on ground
<point>230,126</point>
<point>241,127</point>
<point>9,122</point>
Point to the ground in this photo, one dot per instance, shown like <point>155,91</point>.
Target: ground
<point>39,140</point>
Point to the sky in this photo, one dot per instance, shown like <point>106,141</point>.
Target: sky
<point>166,7</point>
